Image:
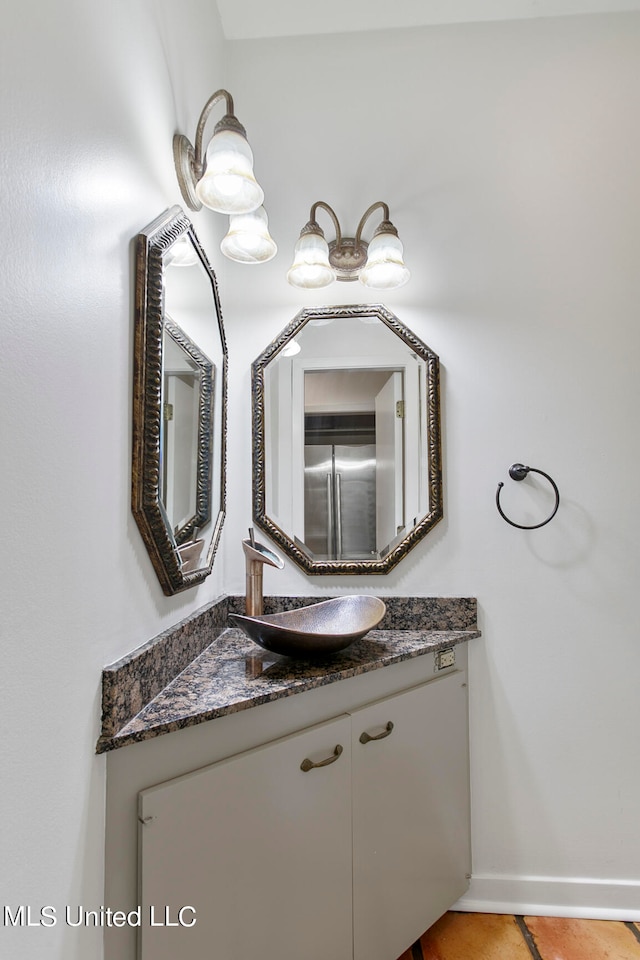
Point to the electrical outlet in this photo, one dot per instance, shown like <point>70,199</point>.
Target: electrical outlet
<point>444,659</point>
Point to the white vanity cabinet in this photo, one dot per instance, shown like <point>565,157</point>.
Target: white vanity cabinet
<point>260,849</point>
<point>410,793</point>
<point>353,858</point>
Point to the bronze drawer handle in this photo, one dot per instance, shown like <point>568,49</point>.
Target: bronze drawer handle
<point>307,764</point>
<point>366,737</point>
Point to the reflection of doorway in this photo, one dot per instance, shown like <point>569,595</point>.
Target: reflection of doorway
<point>353,462</point>
<point>179,465</point>
<point>181,384</point>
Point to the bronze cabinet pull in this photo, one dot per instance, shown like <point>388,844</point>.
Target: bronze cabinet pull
<point>366,737</point>
<point>307,764</point>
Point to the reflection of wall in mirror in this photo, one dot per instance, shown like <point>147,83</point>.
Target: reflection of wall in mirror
<point>188,300</point>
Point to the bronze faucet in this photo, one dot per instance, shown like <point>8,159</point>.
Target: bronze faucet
<point>257,555</point>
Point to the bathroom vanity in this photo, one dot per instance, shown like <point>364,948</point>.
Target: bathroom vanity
<point>259,805</point>
<point>294,809</point>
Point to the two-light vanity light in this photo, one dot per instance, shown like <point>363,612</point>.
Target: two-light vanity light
<point>224,181</point>
<point>376,264</point>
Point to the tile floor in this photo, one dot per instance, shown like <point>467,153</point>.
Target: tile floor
<point>493,936</point>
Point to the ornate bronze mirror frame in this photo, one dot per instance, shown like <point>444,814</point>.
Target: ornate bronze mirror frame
<point>347,467</point>
<point>179,403</point>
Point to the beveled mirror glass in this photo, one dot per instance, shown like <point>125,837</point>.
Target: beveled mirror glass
<point>179,403</point>
<point>347,473</point>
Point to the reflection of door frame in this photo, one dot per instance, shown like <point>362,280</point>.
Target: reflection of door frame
<point>390,494</point>
<point>180,450</point>
<point>411,467</point>
<point>279,433</point>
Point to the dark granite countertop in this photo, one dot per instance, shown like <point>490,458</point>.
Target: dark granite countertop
<point>232,673</point>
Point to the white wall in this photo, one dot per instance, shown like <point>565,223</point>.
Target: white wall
<point>509,155</point>
<point>91,96</point>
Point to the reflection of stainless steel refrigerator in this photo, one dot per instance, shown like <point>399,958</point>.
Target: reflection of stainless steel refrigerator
<point>340,501</point>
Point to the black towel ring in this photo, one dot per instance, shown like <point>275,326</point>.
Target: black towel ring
<point>518,471</point>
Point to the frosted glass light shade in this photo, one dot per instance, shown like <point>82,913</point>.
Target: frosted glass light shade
<point>311,268</point>
<point>385,267</point>
<point>291,349</point>
<point>228,184</point>
<point>181,254</point>
<point>248,239</point>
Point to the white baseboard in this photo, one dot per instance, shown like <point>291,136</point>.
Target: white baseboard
<point>553,897</point>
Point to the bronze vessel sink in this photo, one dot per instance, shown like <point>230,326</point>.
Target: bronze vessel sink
<point>316,630</point>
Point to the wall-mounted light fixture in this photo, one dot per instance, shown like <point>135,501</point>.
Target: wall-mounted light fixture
<point>377,264</point>
<point>223,180</point>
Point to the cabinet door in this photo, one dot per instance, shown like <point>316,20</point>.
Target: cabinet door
<point>260,849</point>
<point>411,839</point>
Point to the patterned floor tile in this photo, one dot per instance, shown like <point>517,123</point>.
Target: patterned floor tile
<point>475,936</point>
<point>558,938</point>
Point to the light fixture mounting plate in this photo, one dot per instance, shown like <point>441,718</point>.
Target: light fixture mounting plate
<point>184,158</point>
<point>347,260</point>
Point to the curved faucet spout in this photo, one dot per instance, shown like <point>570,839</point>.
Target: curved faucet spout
<point>256,556</point>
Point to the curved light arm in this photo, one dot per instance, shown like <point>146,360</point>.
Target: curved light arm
<point>367,214</point>
<point>204,116</point>
<point>336,223</point>
<point>358,237</point>
<point>229,141</point>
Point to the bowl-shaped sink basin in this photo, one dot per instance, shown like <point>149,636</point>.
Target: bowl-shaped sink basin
<point>316,630</point>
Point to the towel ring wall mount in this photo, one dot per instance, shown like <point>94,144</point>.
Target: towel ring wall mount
<point>518,471</point>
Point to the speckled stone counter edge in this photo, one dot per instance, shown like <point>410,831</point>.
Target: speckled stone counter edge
<point>233,674</point>
<point>133,682</point>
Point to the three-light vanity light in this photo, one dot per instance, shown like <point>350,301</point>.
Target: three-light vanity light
<point>378,264</point>
<point>222,179</point>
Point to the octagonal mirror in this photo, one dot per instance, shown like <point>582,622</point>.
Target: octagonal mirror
<point>347,473</point>
<point>179,404</point>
